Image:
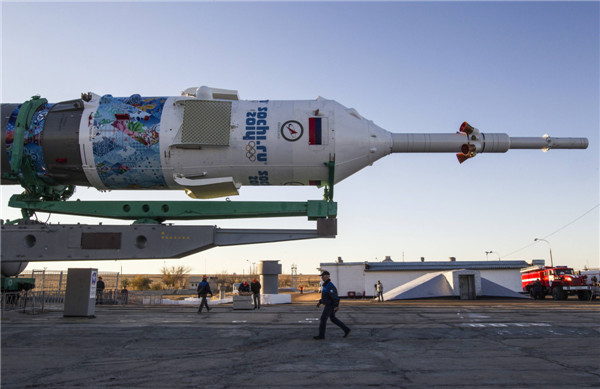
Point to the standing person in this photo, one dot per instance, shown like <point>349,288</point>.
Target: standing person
<point>379,288</point>
<point>537,292</point>
<point>244,288</point>
<point>255,288</point>
<point>203,290</point>
<point>329,298</point>
<point>99,290</point>
<point>124,295</point>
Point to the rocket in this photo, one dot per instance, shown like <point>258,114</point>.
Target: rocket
<point>210,144</point>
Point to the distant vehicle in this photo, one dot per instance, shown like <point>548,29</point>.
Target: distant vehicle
<point>236,286</point>
<point>593,277</point>
<point>558,281</point>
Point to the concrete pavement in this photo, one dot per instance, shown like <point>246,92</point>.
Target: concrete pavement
<point>407,344</point>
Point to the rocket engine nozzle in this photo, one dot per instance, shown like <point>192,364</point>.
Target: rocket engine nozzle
<point>467,151</point>
<point>466,128</point>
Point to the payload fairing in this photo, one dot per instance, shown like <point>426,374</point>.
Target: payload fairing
<point>210,143</point>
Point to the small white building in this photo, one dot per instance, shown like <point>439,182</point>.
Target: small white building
<point>360,278</point>
<point>212,281</point>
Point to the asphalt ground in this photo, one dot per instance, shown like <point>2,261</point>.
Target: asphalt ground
<point>404,344</point>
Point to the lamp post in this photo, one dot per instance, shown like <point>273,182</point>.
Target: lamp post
<point>549,247</point>
<point>487,253</point>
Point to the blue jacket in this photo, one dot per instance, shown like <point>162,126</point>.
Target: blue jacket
<point>204,289</point>
<point>329,294</point>
<point>244,288</point>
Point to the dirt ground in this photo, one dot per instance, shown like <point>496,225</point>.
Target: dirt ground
<point>408,344</point>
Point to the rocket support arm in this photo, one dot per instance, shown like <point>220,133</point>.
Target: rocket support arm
<point>32,242</point>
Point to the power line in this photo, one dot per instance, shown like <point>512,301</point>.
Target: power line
<point>568,224</point>
<point>552,233</point>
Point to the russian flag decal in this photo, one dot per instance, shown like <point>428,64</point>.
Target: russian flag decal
<point>317,131</point>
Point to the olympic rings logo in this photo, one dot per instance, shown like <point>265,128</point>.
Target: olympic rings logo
<point>251,151</point>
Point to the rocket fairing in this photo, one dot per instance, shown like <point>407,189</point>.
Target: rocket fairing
<point>210,143</point>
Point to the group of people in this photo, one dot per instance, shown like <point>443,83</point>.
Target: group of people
<point>253,288</point>
<point>121,296</point>
<point>204,290</point>
<point>329,298</point>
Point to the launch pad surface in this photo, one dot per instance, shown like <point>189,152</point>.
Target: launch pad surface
<point>407,344</point>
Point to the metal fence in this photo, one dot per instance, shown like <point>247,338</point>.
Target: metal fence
<point>52,281</point>
<point>55,281</point>
<point>50,289</point>
<point>32,302</point>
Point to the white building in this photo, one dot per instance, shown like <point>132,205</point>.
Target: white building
<point>486,278</point>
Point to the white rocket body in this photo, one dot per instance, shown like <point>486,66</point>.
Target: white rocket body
<point>210,143</point>
<point>264,143</point>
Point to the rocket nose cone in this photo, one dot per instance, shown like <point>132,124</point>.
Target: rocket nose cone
<point>380,142</point>
<point>358,143</point>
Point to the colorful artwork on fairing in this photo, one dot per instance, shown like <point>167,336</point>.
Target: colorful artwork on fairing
<point>32,148</point>
<point>125,139</point>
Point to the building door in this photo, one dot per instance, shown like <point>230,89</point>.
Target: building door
<point>466,285</point>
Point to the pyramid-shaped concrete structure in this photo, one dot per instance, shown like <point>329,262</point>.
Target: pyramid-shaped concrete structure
<point>427,286</point>
<point>489,288</point>
<point>443,284</point>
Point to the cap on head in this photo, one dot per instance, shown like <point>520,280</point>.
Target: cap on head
<point>325,273</point>
<point>203,277</point>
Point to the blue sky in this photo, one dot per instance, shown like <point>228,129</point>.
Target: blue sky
<point>525,69</point>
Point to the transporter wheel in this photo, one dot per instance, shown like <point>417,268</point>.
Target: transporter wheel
<point>557,293</point>
<point>583,295</point>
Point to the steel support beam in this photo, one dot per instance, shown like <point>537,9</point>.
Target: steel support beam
<point>32,242</point>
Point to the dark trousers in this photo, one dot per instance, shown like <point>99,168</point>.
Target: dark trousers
<point>99,295</point>
<point>256,297</point>
<point>203,303</point>
<point>380,296</point>
<point>329,313</point>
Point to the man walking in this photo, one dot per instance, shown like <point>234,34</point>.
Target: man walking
<point>329,298</point>
<point>255,288</point>
<point>203,290</point>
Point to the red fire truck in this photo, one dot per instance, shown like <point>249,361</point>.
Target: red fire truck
<point>558,281</point>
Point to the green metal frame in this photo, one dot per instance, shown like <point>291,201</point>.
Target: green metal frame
<point>159,211</point>
<point>21,167</point>
<point>328,195</point>
<point>22,123</point>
